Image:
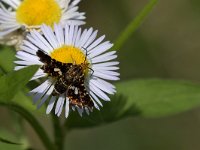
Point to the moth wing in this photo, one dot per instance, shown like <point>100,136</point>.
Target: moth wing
<point>45,58</point>
<point>79,96</point>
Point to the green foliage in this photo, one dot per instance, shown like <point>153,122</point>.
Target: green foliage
<point>22,99</point>
<point>1,72</point>
<point>3,140</point>
<point>156,98</point>
<point>112,111</point>
<point>8,141</point>
<point>7,56</point>
<point>142,98</point>
<point>134,25</point>
<point>33,122</point>
<point>14,82</point>
<point>134,98</point>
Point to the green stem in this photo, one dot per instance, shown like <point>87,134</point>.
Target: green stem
<point>34,123</point>
<point>58,134</point>
<point>2,71</point>
<point>133,26</point>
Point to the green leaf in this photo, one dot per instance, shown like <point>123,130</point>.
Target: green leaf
<point>9,142</point>
<point>30,118</point>
<point>25,101</point>
<point>142,98</point>
<point>157,98</point>
<point>14,81</point>
<point>111,111</point>
<point>1,72</point>
<point>134,25</point>
<point>7,56</point>
<point>5,144</point>
<point>21,98</point>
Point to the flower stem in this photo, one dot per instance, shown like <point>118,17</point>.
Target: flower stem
<point>58,134</point>
<point>133,26</point>
<point>33,122</point>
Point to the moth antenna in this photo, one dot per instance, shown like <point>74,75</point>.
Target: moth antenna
<point>86,54</point>
<point>91,70</point>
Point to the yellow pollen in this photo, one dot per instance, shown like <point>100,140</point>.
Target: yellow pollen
<point>69,54</point>
<point>37,12</point>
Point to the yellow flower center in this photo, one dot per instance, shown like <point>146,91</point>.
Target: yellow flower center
<point>37,12</point>
<point>68,54</point>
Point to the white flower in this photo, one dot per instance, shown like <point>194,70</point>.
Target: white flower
<point>18,16</point>
<point>70,45</point>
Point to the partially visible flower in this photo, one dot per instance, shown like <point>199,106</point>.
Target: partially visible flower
<point>19,16</point>
<point>62,54</point>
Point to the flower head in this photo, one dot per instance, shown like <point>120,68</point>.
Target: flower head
<point>25,15</point>
<point>75,65</point>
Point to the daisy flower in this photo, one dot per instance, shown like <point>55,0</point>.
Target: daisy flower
<point>72,60</point>
<point>68,56</point>
<point>19,16</point>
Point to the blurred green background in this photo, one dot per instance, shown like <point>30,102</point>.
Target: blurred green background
<point>165,46</point>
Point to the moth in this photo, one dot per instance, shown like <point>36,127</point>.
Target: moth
<point>69,78</point>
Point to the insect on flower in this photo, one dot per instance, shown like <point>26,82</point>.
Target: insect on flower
<point>69,78</point>
<point>74,78</point>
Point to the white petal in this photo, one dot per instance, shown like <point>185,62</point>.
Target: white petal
<point>100,49</point>
<point>33,39</point>
<point>61,108</point>
<point>59,34</point>
<point>91,39</point>
<point>103,59</point>
<point>59,104</point>
<point>41,92</point>
<point>106,72</point>
<point>95,105</point>
<point>105,76</point>
<point>39,37</point>
<point>102,86</point>
<point>85,38</point>
<point>40,87</point>
<point>27,49</point>
<point>95,43</point>
<point>12,3</point>
<point>67,35</point>
<point>49,35</point>
<point>75,35</point>
<point>113,63</point>
<point>27,63</point>
<point>105,68</point>
<point>19,67</point>
<point>99,93</point>
<point>80,111</point>
<point>46,96</point>
<point>38,74</point>
<point>107,84</point>
<point>51,104</point>
<point>96,98</point>
<point>78,36</point>
<point>71,34</point>
<point>27,55</point>
<point>67,108</point>
<point>5,32</point>
<point>73,108</point>
<point>87,111</point>
<point>30,45</point>
<point>81,38</point>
